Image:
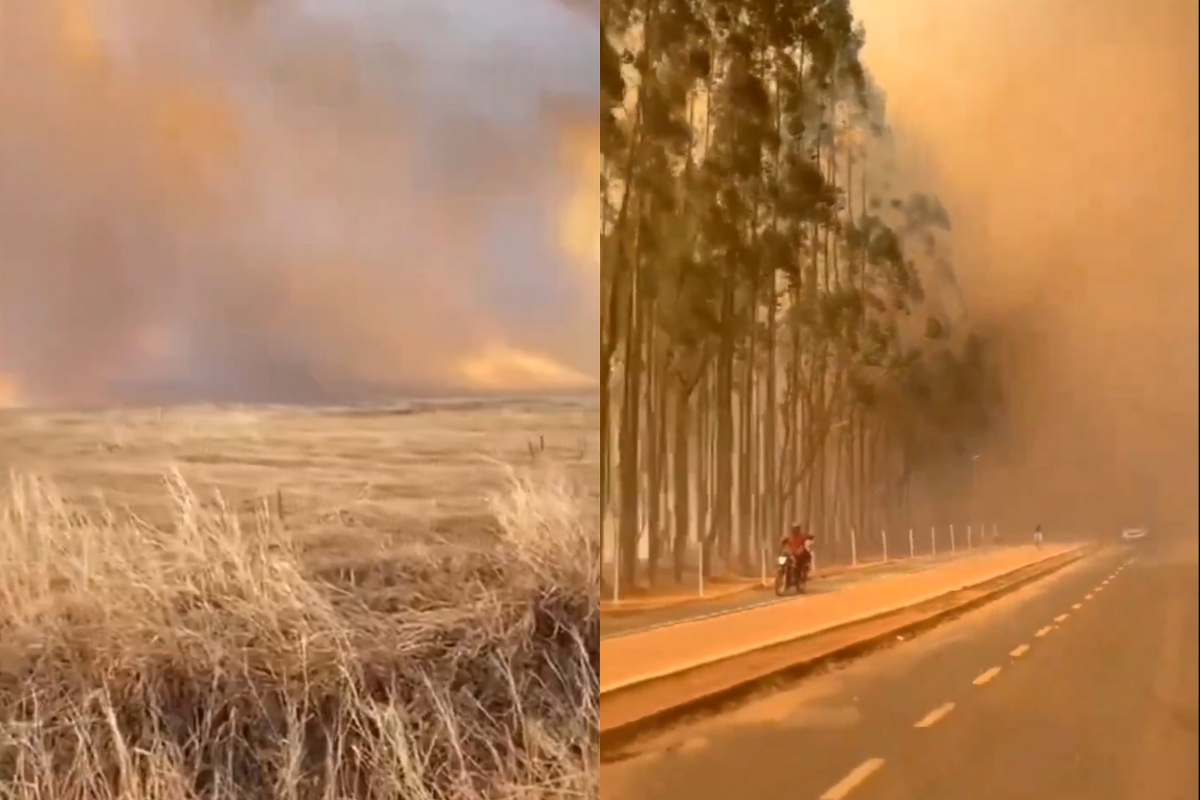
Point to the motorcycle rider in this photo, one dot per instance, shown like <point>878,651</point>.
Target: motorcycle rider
<point>796,545</point>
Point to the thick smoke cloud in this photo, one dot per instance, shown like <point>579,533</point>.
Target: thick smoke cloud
<point>1063,136</point>
<point>294,201</point>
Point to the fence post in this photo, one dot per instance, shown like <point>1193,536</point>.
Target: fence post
<point>616,570</point>
<point>912,545</point>
<point>885,552</point>
<point>970,541</point>
<point>701,570</point>
<point>933,540</point>
<point>763,557</point>
<point>853,548</point>
<point>953,544</point>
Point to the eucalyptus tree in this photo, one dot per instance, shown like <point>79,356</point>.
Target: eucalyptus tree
<point>767,349</point>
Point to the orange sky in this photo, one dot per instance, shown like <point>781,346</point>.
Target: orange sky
<point>1062,135</point>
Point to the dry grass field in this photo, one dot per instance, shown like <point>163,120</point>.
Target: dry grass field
<point>270,603</point>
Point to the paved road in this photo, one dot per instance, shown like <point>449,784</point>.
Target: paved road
<point>1101,706</point>
<point>620,626</point>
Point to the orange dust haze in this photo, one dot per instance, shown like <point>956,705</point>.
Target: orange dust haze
<point>1062,135</point>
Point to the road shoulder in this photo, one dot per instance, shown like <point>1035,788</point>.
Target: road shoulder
<point>838,719</point>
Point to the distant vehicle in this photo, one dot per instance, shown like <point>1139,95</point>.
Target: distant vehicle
<point>1134,535</point>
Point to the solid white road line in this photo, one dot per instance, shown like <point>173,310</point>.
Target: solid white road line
<point>856,778</point>
<point>987,676</point>
<point>934,716</point>
<point>1019,651</point>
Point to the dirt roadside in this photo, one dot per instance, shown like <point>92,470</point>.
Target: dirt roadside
<point>652,654</point>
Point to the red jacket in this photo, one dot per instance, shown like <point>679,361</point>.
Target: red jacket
<point>796,543</point>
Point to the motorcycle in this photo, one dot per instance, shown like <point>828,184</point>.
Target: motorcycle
<point>790,575</point>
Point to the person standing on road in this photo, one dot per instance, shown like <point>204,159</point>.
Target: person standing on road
<point>1037,537</point>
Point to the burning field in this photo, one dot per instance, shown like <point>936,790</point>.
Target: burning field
<point>279,202</point>
<point>283,603</point>
<point>256,203</point>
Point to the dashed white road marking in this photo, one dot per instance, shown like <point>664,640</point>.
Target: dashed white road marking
<point>1043,631</point>
<point>1077,606</point>
<point>856,778</point>
<point>986,676</point>
<point>1019,650</point>
<point>1088,596</point>
<point>1061,617</point>
<point>934,716</point>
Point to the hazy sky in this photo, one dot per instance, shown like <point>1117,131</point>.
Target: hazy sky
<point>282,201</point>
<point>1062,135</point>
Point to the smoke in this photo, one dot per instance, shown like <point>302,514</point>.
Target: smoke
<point>296,201</point>
<point>1062,135</point>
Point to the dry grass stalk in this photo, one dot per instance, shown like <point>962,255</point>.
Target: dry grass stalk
<point>224,657</point>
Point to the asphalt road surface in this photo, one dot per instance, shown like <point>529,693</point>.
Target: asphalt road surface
<point>1082,686</point>
<point>648,620</point>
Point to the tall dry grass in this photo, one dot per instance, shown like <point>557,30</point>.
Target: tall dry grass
<point>222,657</point>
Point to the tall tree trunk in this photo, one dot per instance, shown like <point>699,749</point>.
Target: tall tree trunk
<point>653,473</point>
<point>723,510</point>
<point>681,474</point>
<point>629,476</point>
<point>772,523</point>
<point>704,470</point>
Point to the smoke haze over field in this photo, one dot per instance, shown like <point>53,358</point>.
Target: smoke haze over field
<point>1062,135</point>
<point>296,201</point>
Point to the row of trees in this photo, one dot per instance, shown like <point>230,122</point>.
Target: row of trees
<point>768,349</point>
